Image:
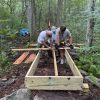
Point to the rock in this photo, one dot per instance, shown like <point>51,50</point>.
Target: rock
<point>6,82</point>
<point>46,95</point>
<point>4,79</point>
<point>22,86</point>
<point>21,94</point>
<point>93,80</point>
<point>83,72</point>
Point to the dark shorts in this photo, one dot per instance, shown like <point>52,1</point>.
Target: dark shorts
<point>39,45</point>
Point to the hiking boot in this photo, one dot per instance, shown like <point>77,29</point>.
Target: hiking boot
<point>58,61</point>
<point>62,61</point>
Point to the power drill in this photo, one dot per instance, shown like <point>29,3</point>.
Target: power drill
<point>62,43</point>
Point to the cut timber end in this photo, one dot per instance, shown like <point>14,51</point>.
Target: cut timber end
<point>30,58</point>
<point>21,58</point>
<point>85,88</point>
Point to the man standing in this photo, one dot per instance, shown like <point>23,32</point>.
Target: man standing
<point>62,35</point>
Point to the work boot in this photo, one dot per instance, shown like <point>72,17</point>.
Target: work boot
<point>62,61</point>
<point>58,61</point>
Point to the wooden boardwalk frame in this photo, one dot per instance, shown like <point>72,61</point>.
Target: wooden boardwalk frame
<point>55,82</point>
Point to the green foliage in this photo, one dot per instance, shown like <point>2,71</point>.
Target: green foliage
<point>4,63</point>
<point>12,36</point>
<point>94,80</point>
<point>4,32</point>
<point>89,60</point>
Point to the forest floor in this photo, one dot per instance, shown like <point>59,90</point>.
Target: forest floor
<point>16,76</point>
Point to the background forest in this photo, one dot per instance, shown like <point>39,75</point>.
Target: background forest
<point>82,17</point>
<point>35,14</point>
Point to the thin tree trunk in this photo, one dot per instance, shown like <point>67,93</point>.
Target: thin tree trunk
<point>59,21</point>
<point>33,28</point>
<point>90,24</point>
<point>28,15</point>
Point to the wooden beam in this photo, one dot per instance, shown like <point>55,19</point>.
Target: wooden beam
<point>33,45</point>
<point>55,64</point>
<point>29,49</point>
<point>54,82</point>
<point>72,64</point>
<point>21,58</point>
<point>30,58</point>
<point>33,67</point>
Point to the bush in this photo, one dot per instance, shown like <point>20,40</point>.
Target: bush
<point>90,61</point>
<point>4,63</point>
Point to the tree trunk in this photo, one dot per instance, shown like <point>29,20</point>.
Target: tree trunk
<point>33,13</point>
<point>90,24</point>
<point>59,21</point>
<point>28,15</point>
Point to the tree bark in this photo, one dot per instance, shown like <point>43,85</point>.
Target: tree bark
<point>90,24</point>
<point>59,21</point>
<point>33,13</point>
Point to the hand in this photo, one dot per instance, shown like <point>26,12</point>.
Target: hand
<point>53,48</point>
<point>56,46</point>
<point>49,47</point>
<point>71,46</point>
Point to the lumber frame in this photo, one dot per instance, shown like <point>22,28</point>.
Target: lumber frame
<point>55,82</point>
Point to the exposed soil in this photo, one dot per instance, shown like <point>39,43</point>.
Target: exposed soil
<point>18,73</point>
<point>44,69</point>
<point>64,70</point>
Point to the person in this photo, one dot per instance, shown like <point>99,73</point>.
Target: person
<point>53,29</point>
<point>43,39</point>
<point>62,36</point>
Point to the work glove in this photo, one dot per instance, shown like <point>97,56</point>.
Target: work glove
<point>71,46</point>
<point>56,46</point>
<point>62,43</point>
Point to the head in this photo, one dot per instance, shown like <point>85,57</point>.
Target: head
<point>53,29</point>
<point>49,33</point>
<point>62,29</point>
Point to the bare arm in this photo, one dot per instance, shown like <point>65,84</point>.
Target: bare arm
<point>70,40</point>
<point>44,43</point>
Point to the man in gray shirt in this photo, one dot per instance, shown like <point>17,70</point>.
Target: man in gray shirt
<point>62,35</point>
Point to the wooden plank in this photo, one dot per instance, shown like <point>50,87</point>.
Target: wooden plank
<point>85,87</point>
<point>30,58</point>
<point>53,82</point>
<point>55,64</point>
<point>21,58</point>
<point>33,67</point>
<point>33,44</point>
<point>72,64</point>
<point>29,49</point>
